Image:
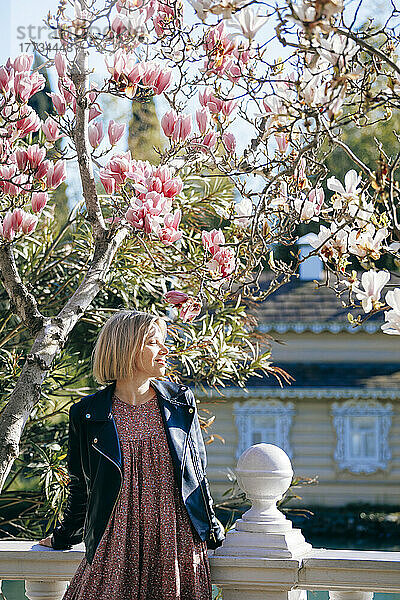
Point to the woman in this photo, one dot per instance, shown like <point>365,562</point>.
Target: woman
<point>138,495</point>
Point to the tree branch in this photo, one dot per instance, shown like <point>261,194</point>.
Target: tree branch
<point>83,149</point>
<point>22,302</point>
<point>368,47</point>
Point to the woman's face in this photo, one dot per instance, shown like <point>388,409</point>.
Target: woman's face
<point>154,355</point>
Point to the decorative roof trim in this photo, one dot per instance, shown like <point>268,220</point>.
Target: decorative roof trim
<point>299,327</point>
<point>262,393</point>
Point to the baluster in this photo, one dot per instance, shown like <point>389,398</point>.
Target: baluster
<point>45,590</point>
<point>261,555</point>
<point>2,596</point>
<point>351,595</point>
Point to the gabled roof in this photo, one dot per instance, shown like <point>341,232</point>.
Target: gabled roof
<point>299,306</point>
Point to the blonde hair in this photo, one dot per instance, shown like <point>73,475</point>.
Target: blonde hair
<point>119,343</point>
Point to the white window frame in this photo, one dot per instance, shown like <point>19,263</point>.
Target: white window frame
<point>343,414</point>
<point>246,412</point>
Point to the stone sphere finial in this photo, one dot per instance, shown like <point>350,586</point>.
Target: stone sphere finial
<point>264,472</point>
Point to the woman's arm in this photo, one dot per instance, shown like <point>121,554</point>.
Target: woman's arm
<point>216,525</point>
<point>70,531</point>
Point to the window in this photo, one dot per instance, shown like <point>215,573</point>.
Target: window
<point>267,421</point>
<point>362,430</point>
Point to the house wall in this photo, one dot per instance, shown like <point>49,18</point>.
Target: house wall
<point>313,441</point>
<point>336,347</point>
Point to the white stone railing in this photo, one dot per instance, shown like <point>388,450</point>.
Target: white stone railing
<point>262,558</point>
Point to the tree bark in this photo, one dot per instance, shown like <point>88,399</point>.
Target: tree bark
<point>48,342</point>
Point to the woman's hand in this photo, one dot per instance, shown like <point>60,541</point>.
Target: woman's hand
<point>46,541</point>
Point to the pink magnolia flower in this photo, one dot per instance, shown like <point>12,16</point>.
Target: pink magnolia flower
<point>281,141</point>
<point>182,129</point>
<point>203,119</point>
<point>228,106</point>
<point>42,170</point>
<point>96,134</point>
<point>211,240</point>
<point>173,187</point>
<point>16,219</point>
<point>217,38</point>
<point>108,182</point>
<point>153,203</point>
<point>59,103</point>
<point>22,87</point>
<point>51,130</point>
<point>118,26</point>
<point>229,142</point>
<point>23,62</point>
<point>8,180</point>
<point>6,80</point>
<point>8,231</point>
<point>94,111</point>
<point>135,217</point>
<point>29,123</point>
<point>115,131</point>
<point>190,309</point>
<point>56,174</point>
<point>176,297</point>
<point>29,223</point>
<point>170,233</point>
<point>168,122</point>
<point>118,65</point>
<point>39,201</point>
<point>67,90</point>
<point>310,208</point>
<point>21,157</point>
<point>223,262</point>
<point>60,64</point>
<point>119,167</point>
<point>162,82</point>
<point>38,82</point>
<point>210,140</point>
<point>163,173</point>
<point>35,156</point>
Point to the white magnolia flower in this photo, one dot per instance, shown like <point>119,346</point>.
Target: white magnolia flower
<point>202,8</point>
<point>331,7</point>
<point>373,283</point>
<point>281,202</point>
<point>332,241</point>
<point>334,107</point>
<point>350,192</point>
<point>361,210</point>
<point>337,49</point>
<point>243,210</point>
<point>311,88</point>
<point>368,242</point>
<point>248,22</point>
<point>392,317</point>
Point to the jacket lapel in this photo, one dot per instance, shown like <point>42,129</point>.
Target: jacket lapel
<point>176,414</point>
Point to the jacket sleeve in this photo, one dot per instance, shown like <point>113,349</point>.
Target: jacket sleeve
<point>217,529</point>
<point>69,531</point>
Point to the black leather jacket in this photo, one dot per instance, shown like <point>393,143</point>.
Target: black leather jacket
<point>96,470</point>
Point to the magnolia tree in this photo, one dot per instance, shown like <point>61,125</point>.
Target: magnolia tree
<point>213,66</point>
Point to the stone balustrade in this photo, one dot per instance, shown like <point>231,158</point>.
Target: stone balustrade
<point>262,558</point>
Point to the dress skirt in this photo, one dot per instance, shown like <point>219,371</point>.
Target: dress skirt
<point>149,549</point>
